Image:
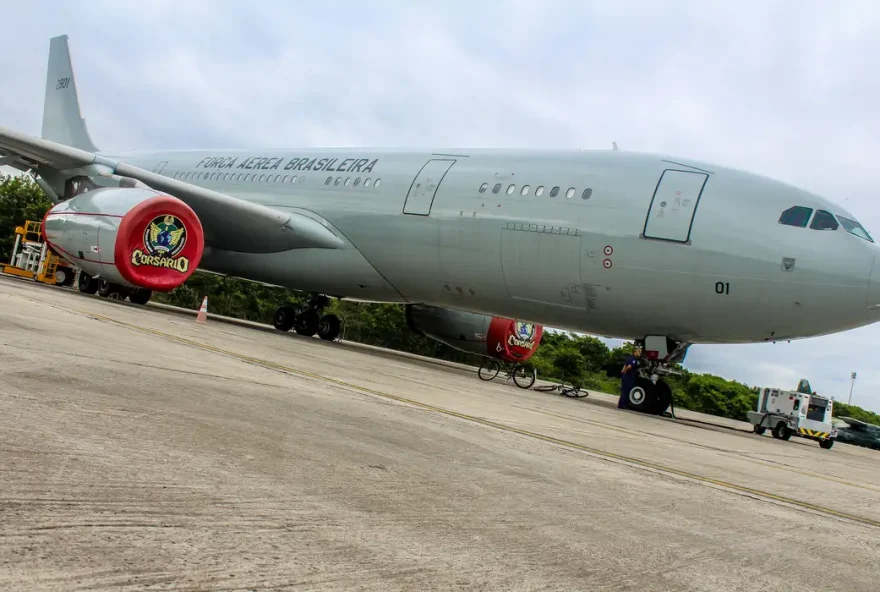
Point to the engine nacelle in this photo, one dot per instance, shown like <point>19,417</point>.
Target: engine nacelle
<point>484,335</point>
<point>132,236</point>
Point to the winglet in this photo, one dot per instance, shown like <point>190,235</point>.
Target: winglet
<point>614,146</point>
<point>62,119</point>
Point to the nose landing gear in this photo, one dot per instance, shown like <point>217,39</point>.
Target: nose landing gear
<point>650,393</point>
<point>309,320</point>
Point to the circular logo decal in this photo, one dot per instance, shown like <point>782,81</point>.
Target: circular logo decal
<point>164,239</point>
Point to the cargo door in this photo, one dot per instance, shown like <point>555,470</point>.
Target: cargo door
<point>424,187</point>
<point>672,209</point>
<point>542,264</point>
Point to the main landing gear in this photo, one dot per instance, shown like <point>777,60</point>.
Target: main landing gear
<point>650,393</point>
<point>308,320</point>
<point>89,285</point>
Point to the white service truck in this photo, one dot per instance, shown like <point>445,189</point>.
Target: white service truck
<point>793,413</point>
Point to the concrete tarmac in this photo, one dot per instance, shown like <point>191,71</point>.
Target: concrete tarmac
<point>141,450</point>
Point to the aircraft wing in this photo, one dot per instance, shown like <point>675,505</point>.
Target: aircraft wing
<point>229,223</point>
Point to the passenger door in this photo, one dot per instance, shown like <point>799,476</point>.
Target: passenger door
<point>674,205</point>
<point>424,187</point>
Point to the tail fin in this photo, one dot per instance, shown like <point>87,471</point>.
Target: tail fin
<point>62,119</point>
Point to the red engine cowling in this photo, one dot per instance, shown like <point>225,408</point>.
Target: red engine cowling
<point>484,335</point>
<point>514,341</point>
<point>130,236</point>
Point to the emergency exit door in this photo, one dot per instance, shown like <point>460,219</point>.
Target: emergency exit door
<point>672,210</point>
<point>424,187</point>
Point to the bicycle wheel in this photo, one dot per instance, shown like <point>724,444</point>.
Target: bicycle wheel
<point>547,388</point>
<point>489,370</point>
<point>524,377</point>
<point>574,392</point>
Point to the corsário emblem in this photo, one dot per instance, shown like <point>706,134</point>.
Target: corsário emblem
<point>523,336</point>
<point>164,239</point>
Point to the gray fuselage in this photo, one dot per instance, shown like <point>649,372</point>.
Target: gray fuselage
<point>587,257</point>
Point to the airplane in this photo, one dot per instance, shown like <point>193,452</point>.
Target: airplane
<point>664,251</point>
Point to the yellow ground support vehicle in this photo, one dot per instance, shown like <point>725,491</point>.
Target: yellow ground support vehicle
<point>32,259</point>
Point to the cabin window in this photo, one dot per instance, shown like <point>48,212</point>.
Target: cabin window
<point>277,178</point>
<point>338,181</point>
<point>525,190</point>
<point>539,191</point>
<point>853,227</point>
<point>484,187</point>
<point>796,216</point>
<point>347,181</point>
<point>367,182</point>
<point>510,189</point>
<point>824,221</point>
<point>357,181</point>
<point>497,188</point>
<point>554,192</point>
<point>587,193</point>
<point>376,184</point>
<point>570,193</point>
<point>327,182</point>
<point>284,179</point>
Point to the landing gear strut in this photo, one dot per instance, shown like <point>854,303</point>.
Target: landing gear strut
<point>650,393</point>
<point>308,320</point>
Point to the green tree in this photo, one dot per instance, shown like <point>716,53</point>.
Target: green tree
<point>20,200</point>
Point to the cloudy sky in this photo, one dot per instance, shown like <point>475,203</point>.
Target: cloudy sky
<point>785,89</point>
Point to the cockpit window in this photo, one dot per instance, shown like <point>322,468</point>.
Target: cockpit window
<point>796,216</point>
<point>824,221</point>
<point>853,227</point>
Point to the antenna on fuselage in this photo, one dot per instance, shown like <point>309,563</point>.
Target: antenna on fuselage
<point>614,146</point>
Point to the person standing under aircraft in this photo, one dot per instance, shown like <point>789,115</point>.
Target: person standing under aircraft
<point>628,376</point>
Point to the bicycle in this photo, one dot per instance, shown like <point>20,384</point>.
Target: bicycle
<point>574,391</point>
<point>523,376</point>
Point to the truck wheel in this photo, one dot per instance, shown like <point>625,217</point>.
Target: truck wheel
<point>781,431</point>
<point>826,444</point>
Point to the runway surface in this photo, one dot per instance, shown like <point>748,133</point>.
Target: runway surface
<point>141,450</point>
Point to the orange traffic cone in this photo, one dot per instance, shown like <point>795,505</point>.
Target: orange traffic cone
<point>203,312</point>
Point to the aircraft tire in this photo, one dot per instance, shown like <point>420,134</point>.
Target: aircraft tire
<point>329,327</point>
<point>307,323</point>
<point>642,395</point>
<point>87,284</point>
<point>284,318</point>
<point>140,296</point>
<point>663,397</point>
<point>112,291</point>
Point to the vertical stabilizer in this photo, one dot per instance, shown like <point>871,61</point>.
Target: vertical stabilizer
<point>62,120</point>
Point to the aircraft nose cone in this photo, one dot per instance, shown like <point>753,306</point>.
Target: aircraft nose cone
<point>874,286</point>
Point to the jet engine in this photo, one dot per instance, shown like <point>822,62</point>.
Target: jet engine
<point>132,236</point>
<point>484,335</point>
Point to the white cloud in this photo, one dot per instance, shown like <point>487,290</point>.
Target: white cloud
<point>784,89</point>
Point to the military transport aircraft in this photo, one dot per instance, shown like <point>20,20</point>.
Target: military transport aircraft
<point>663,250</point>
